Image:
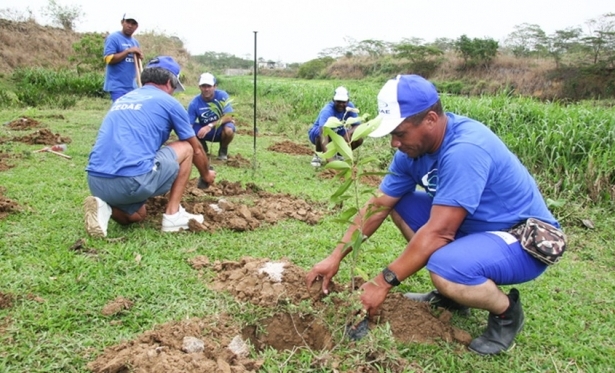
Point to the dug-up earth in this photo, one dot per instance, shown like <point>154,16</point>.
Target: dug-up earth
<point>229,205</point>
<point>222,343</point>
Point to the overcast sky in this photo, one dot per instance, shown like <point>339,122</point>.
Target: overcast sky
<point>296,31</point>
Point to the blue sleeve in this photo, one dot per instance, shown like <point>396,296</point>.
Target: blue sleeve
<point>111,45</point>
<point>192,112</point>
<point>180,122</point>
<point>326,113</point>
<point>399,180</point>
<point>463,174</point>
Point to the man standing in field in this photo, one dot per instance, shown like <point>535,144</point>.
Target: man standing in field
<point>210,107</point>
<point>120,51</point>
<point>473,190</point>
<point>341,108</point>
<point>129,163</point>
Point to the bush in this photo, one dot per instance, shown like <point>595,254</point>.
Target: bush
<point>40,87</point>
<point>315,68</point>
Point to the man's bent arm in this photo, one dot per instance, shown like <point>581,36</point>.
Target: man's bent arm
<point>200,160</point>
<point>440,229</point>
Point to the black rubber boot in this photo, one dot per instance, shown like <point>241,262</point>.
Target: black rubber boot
<point>501,329</point>
<point>435,299</point>
<point>222,153</point>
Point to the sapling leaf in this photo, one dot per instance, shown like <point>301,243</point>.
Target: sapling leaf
<point>362,273</point>
<point>333,122</point>
<point>331,151</point>
<point>337,165</point>
<point>362,131</point>
<point>342,146</point>
<point>349,213</point>
<point>344,187</point>
<point>352,120</point>
<point>367,160</point>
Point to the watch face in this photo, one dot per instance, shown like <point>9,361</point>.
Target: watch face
<point>389,276</point>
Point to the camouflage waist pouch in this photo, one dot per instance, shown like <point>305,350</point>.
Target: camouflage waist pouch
<point>541,240</point>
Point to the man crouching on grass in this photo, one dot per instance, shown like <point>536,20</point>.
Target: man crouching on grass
<point>129,163</point>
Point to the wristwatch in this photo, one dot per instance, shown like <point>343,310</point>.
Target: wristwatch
<point>390,277</point>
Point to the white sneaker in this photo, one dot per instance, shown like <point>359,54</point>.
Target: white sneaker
<point>316,161</point>
<point>97,215</point>
<point>179,220</point>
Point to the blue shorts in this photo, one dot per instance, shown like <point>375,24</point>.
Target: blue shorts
<point>215,135</point>
<point>130,193</point>
<point>314,132</point>
<point>472,259</point>
<point>117,94</point>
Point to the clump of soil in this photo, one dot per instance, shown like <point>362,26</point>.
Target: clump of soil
<point>195,345</point>
<point>219,343</point>
<point>6,301</point>
<point>7,206</point>
<point>4,165</point>
<point>116,306</point>
<point>43,137</point>
<point>228,205</point>
<point>234,160</point>
<point>289,147</point>
<point>23,123</point>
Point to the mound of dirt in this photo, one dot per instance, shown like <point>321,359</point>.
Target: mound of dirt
<point>228,205</point>
<point>234,160</point>
<point>219,343</point>
<point>3,160</point>
<point>196,345</point>
<point>289,147</point>
<point>23,123</point>
<point>43,137</point>
<point>6,301</point>
<point>7,206</point>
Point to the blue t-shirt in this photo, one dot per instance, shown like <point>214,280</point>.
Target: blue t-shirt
<point>475,170</point>
<point>134,129</point>
<point>121,76</point>
<point>201,113</point>
<point>328,111</point>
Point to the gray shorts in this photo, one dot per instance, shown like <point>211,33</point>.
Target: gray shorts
<point>130,193</point>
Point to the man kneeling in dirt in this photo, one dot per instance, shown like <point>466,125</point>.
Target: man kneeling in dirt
<point>341,108</point>
<point>473,189</point>
<point>129,163</point>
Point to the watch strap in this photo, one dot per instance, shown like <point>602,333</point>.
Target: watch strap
<point>390,277</point>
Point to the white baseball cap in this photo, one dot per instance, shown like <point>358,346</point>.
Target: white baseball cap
<point>341,94</point>
<point>208,79</point>
<point>403,97</point>
<point>129,16</point>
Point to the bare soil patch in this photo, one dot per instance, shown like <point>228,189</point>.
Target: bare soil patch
<point>23,123</point>
<point>5,164</point>
<point>234,160</point>
<point>228,205</point>
<point>6,301</point>
<point>43,137</point>
<point>7,206</point>
<point>289,147</point>
<point>221,343</point>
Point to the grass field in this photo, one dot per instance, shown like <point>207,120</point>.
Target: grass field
<point>54,323</point>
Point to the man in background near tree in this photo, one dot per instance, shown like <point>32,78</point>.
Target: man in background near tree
<point>129,163</point>
<point>341,108</point>
<point>210,115</point>
<point>119,53</point>
<point>471,191</point>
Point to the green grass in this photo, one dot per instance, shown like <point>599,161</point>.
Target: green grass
<point>569,310</point>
